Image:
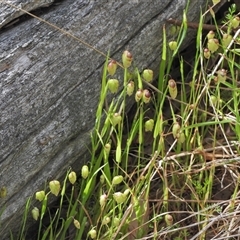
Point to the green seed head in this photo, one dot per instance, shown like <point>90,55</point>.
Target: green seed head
<point>102,179</point>
<point>85,171</point>
<point>103,200</point>
<point>116,119</point>
<point>173,30</point>
<point>173,45</point>
<point>147,75</point>
<point>106,220</point>
<point>146,96</point>
<point>138,95</point>
<point>127,59</point>
<point>213,44</point>
<point>35,213</point>
<point>181,137</point>
<point>107,148</point>
<point>112,67</point>
<point>55,187</point>
<point>214,100</point>
<point>113,85</point>
<point>40,195</point>
<point>119,197</point>
<point>211,35</point>
<point>175,129</point>
<point>226,39</point>
<point>92,233</point>
<point>116,221</point>
<point>130,88</point>
<point>168,219</point>
<point>172,86</point>
<point>72,177</point>
<point>149,124</point>
<point>117,180</point>
<point>126,192</point>
<point>235,22</point>
<point>221,75</point>
<point>76,223</point>
<point>207,53</point>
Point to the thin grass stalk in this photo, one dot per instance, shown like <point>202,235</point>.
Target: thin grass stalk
<point>24,220</point>
<point>162,67</point>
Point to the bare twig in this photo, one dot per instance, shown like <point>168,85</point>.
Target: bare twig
<point>195,25</point>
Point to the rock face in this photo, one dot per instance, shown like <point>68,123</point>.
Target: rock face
<point>50,82</point>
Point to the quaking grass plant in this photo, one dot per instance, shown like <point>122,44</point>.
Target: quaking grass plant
<point>173,174</point>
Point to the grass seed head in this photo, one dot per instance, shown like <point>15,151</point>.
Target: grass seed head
<point>213,44</point>
<point>168,219</point>
<point>138,95</point>
<point>181,137</point>
<point>214,100</point>
<point>107,149</point>
<point>130,88</point>
<point>40,195</point>
<point>221,75</point>
<point>103,200</point>
<point>226,39</point>
<point>149,124</point>
<point>211,35</point>
<point>102,179</point>
<point>172,45</point>
<point>175,129</point>
<point>146,96</point>
<point>113,85</point>
<point>72,177</point>
<point>119,197</point>
<point>147,75</point>
<point>126,192</point>
<point>85,171</point>
<point>127,59</point>
<point>206,53</point>
<point>172,86</point>
<point>117,180</point>
<point>116,221</point>
<point>235,22</point>
<point>35,213</point>
<point>106,220</point>
<point>174,30</point>
<point>116,119</point>
<point>92,233</point>
<point>76,223</point>
<point>55,187</point>
<point>112,67</point>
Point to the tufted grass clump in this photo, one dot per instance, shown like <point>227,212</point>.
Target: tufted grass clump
<point>169,167</point>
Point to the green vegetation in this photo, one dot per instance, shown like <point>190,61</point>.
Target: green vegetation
<point>168,169</point>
